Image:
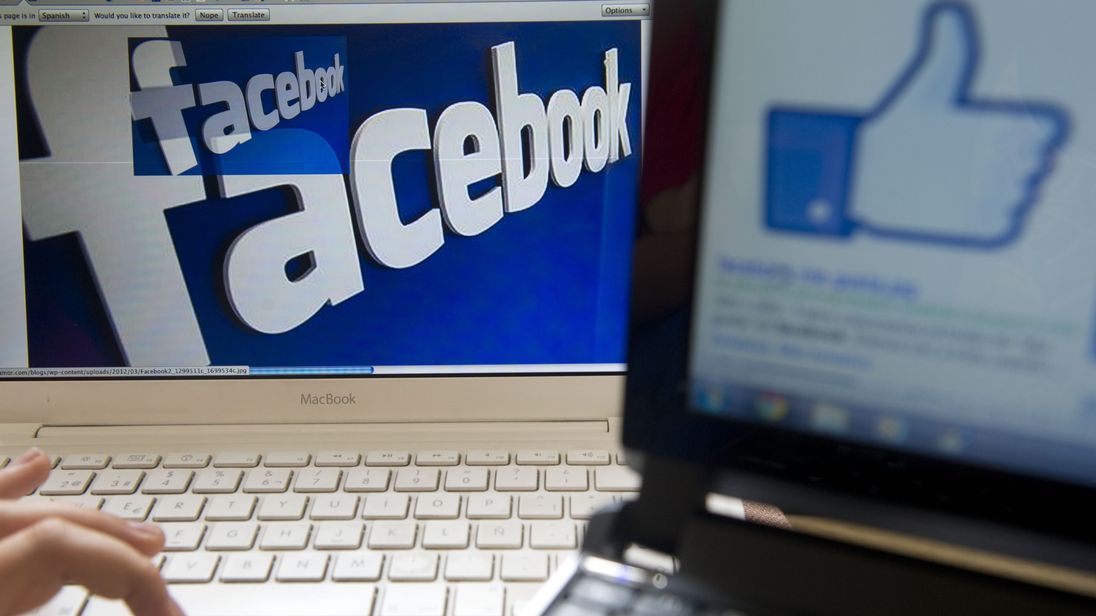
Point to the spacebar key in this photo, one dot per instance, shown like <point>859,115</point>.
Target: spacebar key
<point>275,600</point>
<point>258,600</point>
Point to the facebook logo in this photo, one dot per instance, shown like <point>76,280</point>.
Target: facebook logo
<point>930,163</point>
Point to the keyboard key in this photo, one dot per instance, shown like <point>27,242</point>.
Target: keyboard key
<point>232,536</point>
<point>85,461</point>
<point>583,506</point>
<point>540,507</point>
<point>286,459</point>
<point>184,508</point>
<point>438,507</point>
<point>82,502</point>
<point>516,479</point>
<point>413,567</point>
<point>275,599</point>
<point>186,460</point>
<point>163,481</point>
<point>317,480</point>
<point>484,457</point>
<point>437,535</point>
<point>338,458</point>
<point>388,458</point>
<point>620,459</point>
<point>217,481</point>
<point>538,457</point>
<point>552,536</point>
<point>136,460</point>
<point>234,508</point>
<point>117,482</point>
<point>182,536</point>
<point>524,567</point>
<point>67,602</point>
<point>489,506</point>
<point>302,568</point>
<point>469,567</point>
<point>286,507</point>
<point>338,536</point>
<point>392,535</point>
<point>590,457</point>
<point>367,480</point>
<point>417,480</point>
<point>414,600</point>
<point>616,479</point>
<point>437,458</point>
<point>566,479</point>
<point>357,567</point>
<point>135,508</point>
<point>190,568</point>
<point>285,536</point>
<point>386,506</point>
<point>236,459</point>
<point>499,535</point>
<point>335,507</point>
<point>66,483</point>
<point>251,567</point>
<point>467,480</point>
<point>268,480</point>
<point>479,600</point>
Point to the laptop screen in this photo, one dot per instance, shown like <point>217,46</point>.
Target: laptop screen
<point>899,229</point>
<point>208,189</point>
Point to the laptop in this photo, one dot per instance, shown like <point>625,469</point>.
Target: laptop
<point>335,292</point>
<point>890,333</point>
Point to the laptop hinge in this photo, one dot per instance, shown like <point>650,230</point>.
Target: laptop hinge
<point>671,494</point>
<point>12,431</point>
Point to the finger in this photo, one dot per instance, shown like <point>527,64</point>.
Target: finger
<point>38,560</point>
<point>18,515</point>
<point>946,60</point>
<point>26,472</point>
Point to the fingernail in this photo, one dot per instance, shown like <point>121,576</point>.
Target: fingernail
<point>146,529</point>
<point>28,455</point>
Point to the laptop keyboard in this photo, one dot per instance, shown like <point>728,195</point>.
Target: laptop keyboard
<point>591,596</point>
<point>385,533</point>
<point>606,588</point>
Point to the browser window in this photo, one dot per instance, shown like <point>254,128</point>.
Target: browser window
<point>899,232</point>
<point>210,189</point>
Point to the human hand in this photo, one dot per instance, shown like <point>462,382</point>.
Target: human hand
<point>46,545</point>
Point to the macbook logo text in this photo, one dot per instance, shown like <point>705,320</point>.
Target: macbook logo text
<point>328,399</point>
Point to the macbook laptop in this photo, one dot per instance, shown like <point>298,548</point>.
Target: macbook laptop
<point>335,292</point>
<point>891,325</point>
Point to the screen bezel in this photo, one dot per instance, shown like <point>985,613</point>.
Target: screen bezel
<point>108,402</point>
<point>793,469</point>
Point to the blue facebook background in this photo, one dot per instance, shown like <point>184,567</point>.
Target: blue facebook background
<point>547,285</point>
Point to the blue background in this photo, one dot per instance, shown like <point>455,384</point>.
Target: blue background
<point>545,285</point>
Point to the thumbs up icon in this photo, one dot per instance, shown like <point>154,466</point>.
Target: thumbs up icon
<point>932,162</point>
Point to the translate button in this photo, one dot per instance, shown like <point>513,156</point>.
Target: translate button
<point>209,15</point>
<point>55,15</point>
<point>626,10</point>
<point>249,14</point>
